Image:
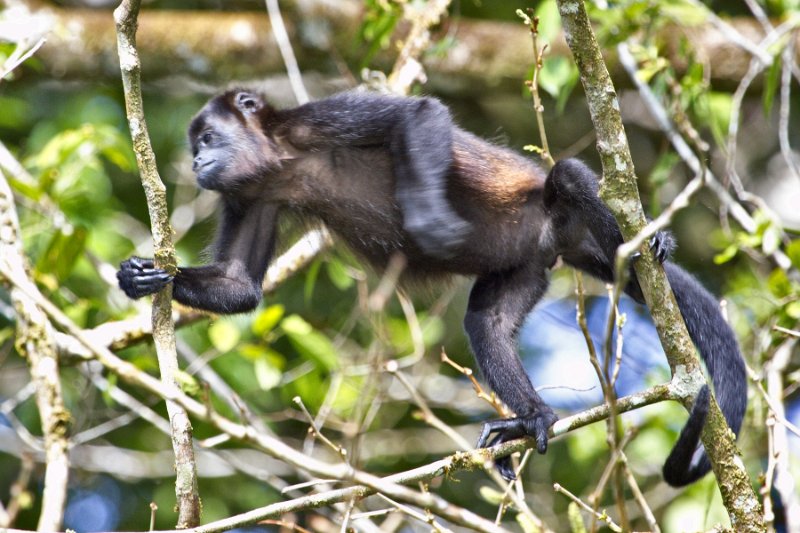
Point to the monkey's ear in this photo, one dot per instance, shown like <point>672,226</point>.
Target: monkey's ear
<point>248,102</point>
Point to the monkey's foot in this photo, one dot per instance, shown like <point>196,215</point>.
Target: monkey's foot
<point>662,244</point>
<point>535,425</point>
<point>138,277</point>
<point>438,232</point>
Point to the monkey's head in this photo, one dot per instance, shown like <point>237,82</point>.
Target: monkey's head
<point>230,146</point>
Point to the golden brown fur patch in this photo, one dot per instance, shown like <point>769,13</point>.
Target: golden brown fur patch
<point>503,179</point>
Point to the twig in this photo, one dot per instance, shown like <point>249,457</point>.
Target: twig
<point>532,21</point>
<point>388,283</point>
<point>339,450</point>
<point>491,399</point>
<point>430,418</point>
<point>787,58</point>
<point>408,69</point>
<point>287,53</point>
<point>658,112</point>
<point>414,514</point>
<point>186,489</point>
<point>17,492</point>
<point>638,496</point>
<point>732,34</point>
<point>603,517</point>
<point>789,332</point>
<point>427,415</point>
<point>16,59</point>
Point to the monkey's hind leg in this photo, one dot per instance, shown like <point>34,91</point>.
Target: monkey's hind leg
<point>422,153</point>
<point>497,307</point>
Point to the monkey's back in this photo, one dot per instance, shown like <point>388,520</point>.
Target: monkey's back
<point>495,189</point>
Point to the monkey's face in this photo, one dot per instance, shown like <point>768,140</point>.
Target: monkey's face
<point>229,148</point>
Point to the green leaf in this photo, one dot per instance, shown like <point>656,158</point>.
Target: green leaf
<point>62,252</point>
<point>338,274</point>
<point>793,310</point>
<point>490,495</point>
<point>685,13</point>
<point>726,255</point>
<point>663,168</point>
<point>527,525</point>
<point>771,240</point>
<point>267,319</point>
<point>549,22</point>
<point>576,524</point>
<point>267,375</point>
<point>309,342</point>
<point>771,84</point>
<point>556,75</point>
<point>187,383</point>
<point>311,280</point>
<point>224,335</point>
<point>793,251</point>
<point>719,107</point>
<point>779,284</point>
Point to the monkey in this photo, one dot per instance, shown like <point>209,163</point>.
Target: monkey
<point>389,175</point>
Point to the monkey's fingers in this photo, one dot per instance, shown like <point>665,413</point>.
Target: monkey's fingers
<point>506,429</point>
<point>137,263</point>
<point>662,244</point>
<point>505,468</point>
<point>136,283</point>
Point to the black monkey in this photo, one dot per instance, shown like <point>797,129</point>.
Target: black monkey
<point>395,175</point>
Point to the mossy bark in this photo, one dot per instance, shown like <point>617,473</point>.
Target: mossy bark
<point>619,191</point>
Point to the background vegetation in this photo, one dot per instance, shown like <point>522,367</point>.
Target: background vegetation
<point>724,73</point>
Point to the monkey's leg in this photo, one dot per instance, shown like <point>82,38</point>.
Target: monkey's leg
<point>422,154</point>
<point>497,307</point>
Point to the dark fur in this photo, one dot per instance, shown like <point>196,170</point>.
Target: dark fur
<point>395,175</point>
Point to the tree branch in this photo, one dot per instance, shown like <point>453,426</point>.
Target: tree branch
<point>35,339</point>
<point>186,490</point>
<point>619,191</point>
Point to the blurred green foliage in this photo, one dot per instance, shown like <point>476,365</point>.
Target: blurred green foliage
<point>82,211</point>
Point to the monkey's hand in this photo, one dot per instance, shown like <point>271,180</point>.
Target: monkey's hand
<point>434,226</point>
<point>138,277</point>
<point>535,425</point>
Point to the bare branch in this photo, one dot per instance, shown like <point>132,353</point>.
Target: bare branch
<point>186,489</point>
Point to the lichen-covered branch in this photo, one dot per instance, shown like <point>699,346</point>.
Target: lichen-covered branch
<point>619,191</point>
<point>36,341</point>
<point>186,490</point>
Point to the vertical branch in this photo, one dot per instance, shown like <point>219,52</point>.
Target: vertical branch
<point>287,53</point>
<point>619,191</point>
<point>186,491</point>
<point>36,340</point>
<point>408,69</point>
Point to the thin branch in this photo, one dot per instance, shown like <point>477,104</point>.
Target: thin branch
<point>16,59</point>
<point>661,117</point>
<point>408,68</point>
<point>787,58</point>
<point>287,53</point>
<point>603,517</point>
<point>186,488</point>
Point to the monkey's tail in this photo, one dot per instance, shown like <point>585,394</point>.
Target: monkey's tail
<point>688,462</point>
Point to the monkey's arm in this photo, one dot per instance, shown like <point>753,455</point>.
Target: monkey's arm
<point>232,283</point>
<point>418,132</point>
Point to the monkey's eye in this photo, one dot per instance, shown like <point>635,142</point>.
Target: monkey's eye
<point>206,138</point>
